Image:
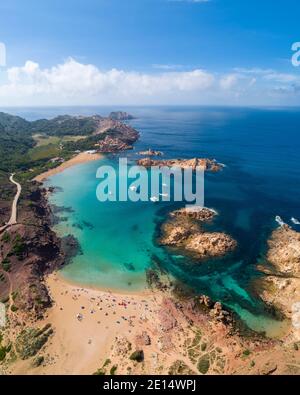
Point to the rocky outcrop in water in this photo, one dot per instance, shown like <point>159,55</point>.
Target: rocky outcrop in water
<point>207,164</point>
<point>120,116</point>
<point>203,215</point>
<point>183,231</point>
<point>151,152</point>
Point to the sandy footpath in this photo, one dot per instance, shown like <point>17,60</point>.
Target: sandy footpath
<point>86,322</point>
<point>76,160</point>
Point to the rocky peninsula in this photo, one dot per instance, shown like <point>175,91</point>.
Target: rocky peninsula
<point>280,286</point>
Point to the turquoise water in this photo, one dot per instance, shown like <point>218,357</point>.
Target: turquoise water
<point>261,180</point>
<point>115,238</point>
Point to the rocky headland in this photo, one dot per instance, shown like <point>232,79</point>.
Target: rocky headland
<point>29,251</point>
<point>280,286</point>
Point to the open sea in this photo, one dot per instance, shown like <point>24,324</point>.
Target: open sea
<point>261,151</point>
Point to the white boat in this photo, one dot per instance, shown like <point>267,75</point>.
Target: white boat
<point>133,188</point>
<point>279,220</point>
<point>154,199</point>
<point>164,194</point>
<point>295,221</point>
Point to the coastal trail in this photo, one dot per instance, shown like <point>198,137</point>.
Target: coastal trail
<point>14,208</point>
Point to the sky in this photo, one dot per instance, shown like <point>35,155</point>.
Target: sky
<point>111,52</point>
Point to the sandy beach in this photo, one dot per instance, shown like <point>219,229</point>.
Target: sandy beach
<point>86,323</point>
<point>83,157</point>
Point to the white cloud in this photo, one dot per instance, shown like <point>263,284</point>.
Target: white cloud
<point>228,81</point>
<point>75,83</point>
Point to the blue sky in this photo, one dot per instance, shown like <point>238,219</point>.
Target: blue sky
<point>178,51</point>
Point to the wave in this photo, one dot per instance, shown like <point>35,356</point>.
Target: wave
<point>295,221</point>
<point>279,220</point>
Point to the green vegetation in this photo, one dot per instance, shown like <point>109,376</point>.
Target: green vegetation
<point>246,353</point>
<point>180,368</point>
<point>18,246</point>
<point>25,146</point>
<point>99,372</point>
<point>14,308</point>
<point>107,362</point>
<point>137,356</point>
<point>6,265</point>
<point>4,350</point>
<point>38,361</point>
<point>42,139</point>
<point>203,364</point>
<point>31,340</point>
<point>113,370</point>
<point>6,237</point>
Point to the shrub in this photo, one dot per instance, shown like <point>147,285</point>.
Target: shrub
<point>31,340</point>
<point>6,264</point>
<point>14,308</point>
<point>6,237</point>
<point>99,372</point>
<point>38,361</point>
<point>203,364</point>
<point>137,356</point>
<point>113,370</point>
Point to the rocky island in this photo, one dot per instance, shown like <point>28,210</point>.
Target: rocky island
<point>120,116</point>
<point>151,152</point>
<point>207,164</point>
<point>183,231</point>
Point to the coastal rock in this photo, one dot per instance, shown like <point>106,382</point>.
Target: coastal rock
<point>206,301</point>
<point>207,164</point>
<point>284,250</point>
<point>111,145</point>
<point>268,369</point>
<point>280,287</point>
<point>210,244</point>
<point>151,152</point>
<point>203,215</point>
<point>219,314</point>
<point>143,339</point>
<point>174,235</point>
<point>30,252</point>
<point>185,233</point>
<point>120,116</point>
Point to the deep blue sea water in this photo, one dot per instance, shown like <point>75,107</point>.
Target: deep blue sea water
<point>260,148</point>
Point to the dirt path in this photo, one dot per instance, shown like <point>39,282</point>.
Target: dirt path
<point>14,208</point>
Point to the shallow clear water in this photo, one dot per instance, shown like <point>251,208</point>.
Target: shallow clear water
<point>261,151</point>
